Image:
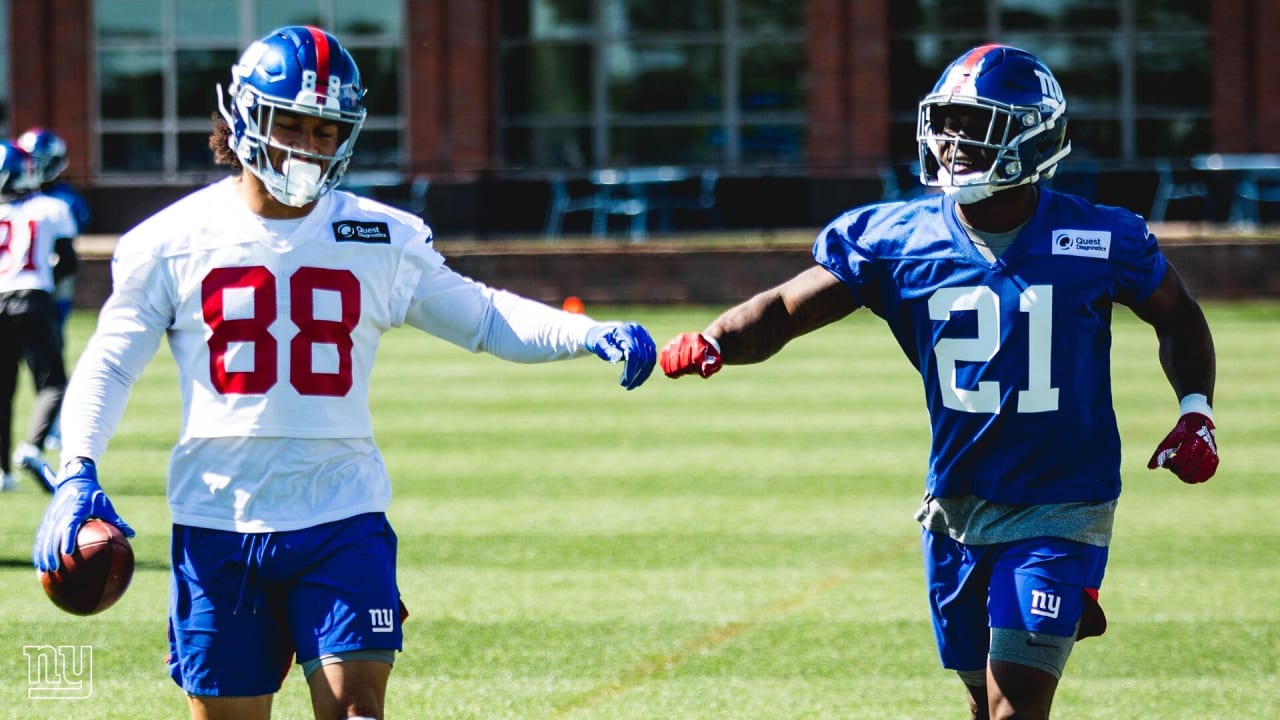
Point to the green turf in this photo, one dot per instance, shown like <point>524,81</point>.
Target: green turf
<point>734,548</point>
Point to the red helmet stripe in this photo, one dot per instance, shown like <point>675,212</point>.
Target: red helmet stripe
<point>965,71</point>
<point>321,41</point>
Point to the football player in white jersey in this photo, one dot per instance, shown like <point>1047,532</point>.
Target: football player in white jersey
<point>49,151</point>
<point>34,229</point>
<point>273,289</point>
<point>1000,292</point>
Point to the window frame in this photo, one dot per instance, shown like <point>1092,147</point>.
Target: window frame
<point>599,121</point>
<point>170,126</point>
<point>1127,113</point>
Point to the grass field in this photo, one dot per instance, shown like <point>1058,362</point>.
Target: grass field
<point>735,548</point>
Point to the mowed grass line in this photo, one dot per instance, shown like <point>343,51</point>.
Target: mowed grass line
<point>733,548</point>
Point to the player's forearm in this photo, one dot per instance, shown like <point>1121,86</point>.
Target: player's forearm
<point>482,319</point>
<point>68,261</point>
<point>761,326</point>
<point>524,330</point>
<point>1187,353</point>
<point>753,331</point>
<point>92,408</point>
<point>98,391</point>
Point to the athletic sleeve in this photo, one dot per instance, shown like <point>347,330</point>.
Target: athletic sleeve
<point>66,226</point>
<point>479,318</point>
<point>837,249</point>
<point>418,259</point>
<point>130,327</point>
<point>1140,265</point>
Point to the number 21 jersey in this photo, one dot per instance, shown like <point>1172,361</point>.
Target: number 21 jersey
<point>1015,353</point>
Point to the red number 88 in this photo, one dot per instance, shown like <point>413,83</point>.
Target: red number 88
<point>256,329</point>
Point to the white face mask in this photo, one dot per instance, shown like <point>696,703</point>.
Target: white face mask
<point>964,194</point>
<point>301,182</point>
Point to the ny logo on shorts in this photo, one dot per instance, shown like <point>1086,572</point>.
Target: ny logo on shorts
<point>1045,603</point>
<point>382,619</point>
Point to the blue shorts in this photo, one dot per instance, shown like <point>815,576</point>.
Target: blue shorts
<point>241,605</point>
<point>1036,585</point>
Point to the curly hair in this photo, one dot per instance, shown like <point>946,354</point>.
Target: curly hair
<point>220,143</point>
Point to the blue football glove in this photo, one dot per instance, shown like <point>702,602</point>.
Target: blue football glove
<point>76,498</point>
<point>626,342</point>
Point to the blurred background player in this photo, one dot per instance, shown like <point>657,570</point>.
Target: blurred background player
<point>49,152</point>
<point>273,290</point>
<point>34,230</point>
<point>1000,292</point>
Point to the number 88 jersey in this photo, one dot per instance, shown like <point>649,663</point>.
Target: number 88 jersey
<point>274,324</point>
<point>1014,353</point>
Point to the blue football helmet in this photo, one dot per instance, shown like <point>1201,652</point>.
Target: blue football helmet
<point>1026,134</point>
<point>17,172</point>
<point>47,150</point>
<point>304,71</point>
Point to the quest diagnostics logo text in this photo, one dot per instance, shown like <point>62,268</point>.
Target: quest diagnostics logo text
<point>1082,243</point>
<point>358,231</point>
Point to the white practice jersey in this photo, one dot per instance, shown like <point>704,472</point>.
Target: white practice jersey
<point>29,226</point>
<point>274,326</point>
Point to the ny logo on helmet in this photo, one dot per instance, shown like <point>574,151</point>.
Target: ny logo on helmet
<point>1050,88</point>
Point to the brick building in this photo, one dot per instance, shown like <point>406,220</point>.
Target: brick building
<point>799,105</point>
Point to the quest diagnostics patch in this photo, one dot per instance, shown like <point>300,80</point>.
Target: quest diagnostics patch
<point>1082,243</point>
<point>357,231</point>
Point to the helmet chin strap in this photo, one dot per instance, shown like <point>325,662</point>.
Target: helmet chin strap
<point>973,192</point>
<point>968,194</point>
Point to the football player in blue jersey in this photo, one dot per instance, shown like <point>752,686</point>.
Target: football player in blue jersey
<point>1000,292</point>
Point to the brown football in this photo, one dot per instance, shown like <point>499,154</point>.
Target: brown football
<point>96,575</point>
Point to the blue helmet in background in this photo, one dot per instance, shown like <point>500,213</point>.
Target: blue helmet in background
<point>47,150</point>
<point>1027,130</point>
<point>301,70</point>
<point>17,172</point>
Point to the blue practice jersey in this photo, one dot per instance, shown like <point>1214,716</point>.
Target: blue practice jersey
<point>73,199</point>
<point>1015,353</point>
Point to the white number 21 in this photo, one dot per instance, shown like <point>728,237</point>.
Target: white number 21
<point>1037,302</point>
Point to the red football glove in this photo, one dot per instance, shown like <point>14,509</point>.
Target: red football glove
<point>690,353</point>
<point>1189,450</point>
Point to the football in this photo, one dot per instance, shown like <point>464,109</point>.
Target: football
<point>96,575</point>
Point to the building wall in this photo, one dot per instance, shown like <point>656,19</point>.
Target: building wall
<point>849,86</point>
<point>52,53</point>
<point>450,84</point>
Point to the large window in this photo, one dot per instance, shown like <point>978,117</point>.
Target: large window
<point>158,62</point>
<point>591,83</point>
<point>1136,73</point>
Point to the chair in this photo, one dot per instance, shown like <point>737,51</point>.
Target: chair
<point>631,193</point>
<point>1255,187</point>
<point>703,201</point>
<point>632,202</point>
<point>564,202</point>
<point>1172,188</point>
<point>602,201</point>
